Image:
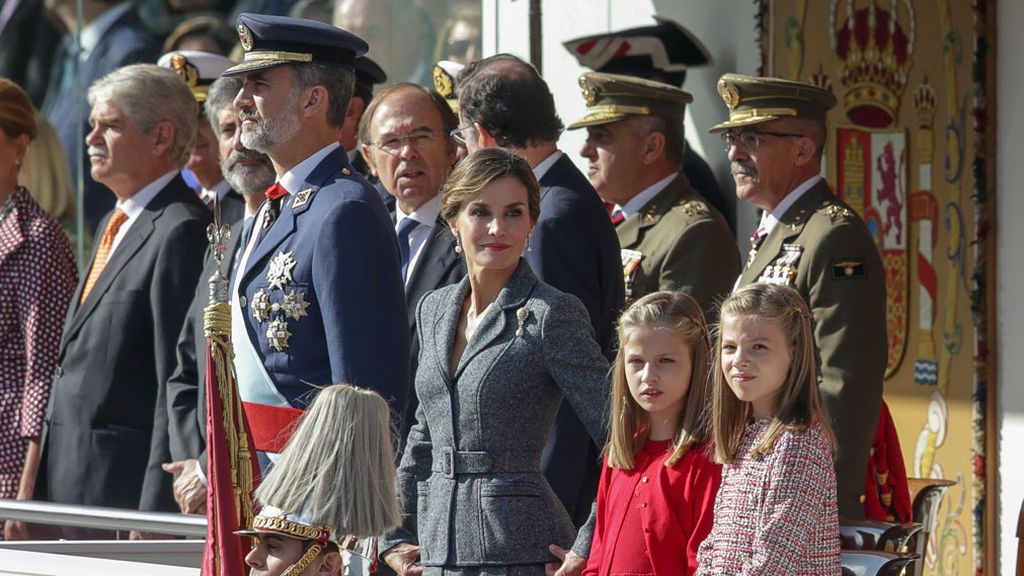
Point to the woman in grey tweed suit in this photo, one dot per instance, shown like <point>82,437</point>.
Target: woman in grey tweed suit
<point>499,350</point>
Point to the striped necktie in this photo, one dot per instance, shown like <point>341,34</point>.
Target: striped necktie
<point>103,251</point>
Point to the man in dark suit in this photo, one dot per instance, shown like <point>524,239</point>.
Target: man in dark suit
<point>663,53</point>
<point>251,173</point>
<point>102,444</point>
<point>406,137</point>
<point>199,70</point>
<point>28,40</point>
<point>504,102</point>
<point>112,36</point>
<point>317,297</point>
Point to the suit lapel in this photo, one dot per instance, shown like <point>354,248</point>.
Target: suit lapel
<point>493,324</point>
<point>789,226</point>
<point>133,240</point>
<point>445,326</point>
<point>437,258</point>
<point>285,225</point>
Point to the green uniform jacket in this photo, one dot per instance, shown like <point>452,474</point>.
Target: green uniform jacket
<point>823,249</point>
<point>683,244</point>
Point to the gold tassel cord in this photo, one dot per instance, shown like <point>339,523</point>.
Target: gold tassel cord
<point>217,328</point>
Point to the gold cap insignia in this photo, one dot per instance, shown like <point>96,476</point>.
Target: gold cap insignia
<point>245,37</point>
<point>443,83</point>
<point>185,70</point>
<point>589,91</point>
<point>730,95</point>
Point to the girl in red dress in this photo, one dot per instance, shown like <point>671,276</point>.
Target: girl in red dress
<point>655,500</point>
<point>776,511</point>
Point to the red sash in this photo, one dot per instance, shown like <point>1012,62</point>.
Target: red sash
<point>271,426</point>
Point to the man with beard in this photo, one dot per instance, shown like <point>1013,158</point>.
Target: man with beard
<point>250,173</point>
<point>406,137</point>
<point>317,297</point>
<point>810,240</point>
<point>671,238</point>
<point>199,70</point>
<point>104,439</point>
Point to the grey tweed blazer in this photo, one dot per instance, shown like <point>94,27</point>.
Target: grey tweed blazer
<point>470,481</point>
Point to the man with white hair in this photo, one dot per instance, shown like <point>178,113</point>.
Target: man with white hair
<point>118,349</point>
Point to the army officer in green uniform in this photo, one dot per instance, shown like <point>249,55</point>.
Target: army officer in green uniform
<point>812,241</point>
<point>671,238</point>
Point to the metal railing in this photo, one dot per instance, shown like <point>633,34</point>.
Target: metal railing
<point>188,525</point>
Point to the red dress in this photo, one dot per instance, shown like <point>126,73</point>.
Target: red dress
<point>651,519</point>
<point>37,277</point>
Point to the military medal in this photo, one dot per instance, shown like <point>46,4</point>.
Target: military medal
<point>278,334</point>
<point>630,263</point>
<point>280,271</point>
<point>783,269</point>
<point>261,306</point>
<point>294,305</point>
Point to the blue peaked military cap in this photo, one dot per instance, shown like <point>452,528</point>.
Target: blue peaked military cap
<point>270,41</point>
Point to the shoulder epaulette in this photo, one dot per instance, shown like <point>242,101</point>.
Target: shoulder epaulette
<point>835,211</point>
<point>695,208</point>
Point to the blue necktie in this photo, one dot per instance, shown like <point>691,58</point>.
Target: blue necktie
<point>404,230</point>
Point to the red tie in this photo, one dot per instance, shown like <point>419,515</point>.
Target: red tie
<point>617,217</point>
<point>276,191</point>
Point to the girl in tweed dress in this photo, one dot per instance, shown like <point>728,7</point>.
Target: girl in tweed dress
<point>776,509</point>
<point>656,498</point>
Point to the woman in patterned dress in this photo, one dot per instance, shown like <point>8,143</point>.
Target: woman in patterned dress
<point>37,277</point>
<point>776,510</point>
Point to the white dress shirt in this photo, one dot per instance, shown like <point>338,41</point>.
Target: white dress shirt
<point>133,207</point>
<point>541,169</point>
<point>426,215</point>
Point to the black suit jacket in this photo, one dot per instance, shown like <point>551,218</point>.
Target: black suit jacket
<point>99,445</point>
<point>27,46</point>
<point>438,266</point>
<point>232,209</point>
<point>186,389</point>
<point>574,248</point>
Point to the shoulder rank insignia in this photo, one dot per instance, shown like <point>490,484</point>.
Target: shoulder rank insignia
<point>836,212</point>
<point>784,269</point>
<point>848,269</point>
<point>280,271</point>
<point>302,198</point>
<point>695,208</point>
<point>630,264</point>
<point>278,334</point>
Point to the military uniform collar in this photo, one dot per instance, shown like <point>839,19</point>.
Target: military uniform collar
<point>677,191</point>
<point>297,178</point>
<point>771,219</point>
<point>639,202</point>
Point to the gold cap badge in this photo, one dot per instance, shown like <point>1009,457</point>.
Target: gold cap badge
<point>245,37</point>
<point>730,95</point>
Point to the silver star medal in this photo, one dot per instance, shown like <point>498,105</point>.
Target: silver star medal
<point>294,305</point>
<point>278,334</point>
<point>280,272</point>
<point>261,306</point>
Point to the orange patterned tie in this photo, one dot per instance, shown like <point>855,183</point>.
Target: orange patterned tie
<point>103,252</point>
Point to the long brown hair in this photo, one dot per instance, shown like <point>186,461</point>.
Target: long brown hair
<point>679,314</point>
<point>798,404</point>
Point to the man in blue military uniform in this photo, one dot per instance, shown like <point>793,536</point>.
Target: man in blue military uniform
<point>317,297</point>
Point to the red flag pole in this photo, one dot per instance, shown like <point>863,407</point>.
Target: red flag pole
<point>231,467</point>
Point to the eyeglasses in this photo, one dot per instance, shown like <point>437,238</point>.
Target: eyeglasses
<point>421,140</point>
<point>752,139</point>
<point>456,134</point>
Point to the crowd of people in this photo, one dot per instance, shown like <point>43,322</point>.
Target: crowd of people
<point>583,374</point>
